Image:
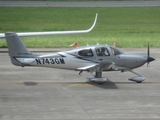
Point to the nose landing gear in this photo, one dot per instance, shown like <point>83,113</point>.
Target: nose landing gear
<point>138,79</point>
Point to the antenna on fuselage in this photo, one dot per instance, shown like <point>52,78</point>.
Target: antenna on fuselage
<point>84,41</point>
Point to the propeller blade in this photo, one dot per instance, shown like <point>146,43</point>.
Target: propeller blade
<point>149,59</point>
<point>148,53</point>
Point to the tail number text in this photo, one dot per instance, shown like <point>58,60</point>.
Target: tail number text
<point>40,61</point>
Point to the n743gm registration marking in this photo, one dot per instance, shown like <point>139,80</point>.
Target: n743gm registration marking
<point>40,61</point>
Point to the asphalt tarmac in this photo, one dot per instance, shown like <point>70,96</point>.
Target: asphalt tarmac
<point>32,93</point>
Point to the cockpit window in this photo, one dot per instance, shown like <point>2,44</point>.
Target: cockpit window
<point>87,52</point>
<point>115,51</point>
<point>102,51</point>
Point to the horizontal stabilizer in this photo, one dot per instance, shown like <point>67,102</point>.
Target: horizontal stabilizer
<point>26,60</point>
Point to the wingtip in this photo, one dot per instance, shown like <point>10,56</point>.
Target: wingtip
<point>96,14</point>
<point>94,23</point>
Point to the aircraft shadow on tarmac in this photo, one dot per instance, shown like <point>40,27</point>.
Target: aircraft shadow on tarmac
<point>30,83</point>
<point>109,84</point>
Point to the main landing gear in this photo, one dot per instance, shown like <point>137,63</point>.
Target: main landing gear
<point>98,78</point>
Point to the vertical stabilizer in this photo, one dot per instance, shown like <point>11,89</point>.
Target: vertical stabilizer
<point>15,45</point>
<point>16,48</point>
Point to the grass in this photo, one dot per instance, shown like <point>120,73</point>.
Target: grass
<point>128,26</point>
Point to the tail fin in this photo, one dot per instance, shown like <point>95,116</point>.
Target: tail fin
<point>16,48</point>
<point>15,45</point>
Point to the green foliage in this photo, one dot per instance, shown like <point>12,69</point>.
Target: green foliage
<point>128,26</point>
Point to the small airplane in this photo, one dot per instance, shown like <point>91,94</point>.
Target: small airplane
<point>90,58</point>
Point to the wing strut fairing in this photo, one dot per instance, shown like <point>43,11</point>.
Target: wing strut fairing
<point>27,34</point>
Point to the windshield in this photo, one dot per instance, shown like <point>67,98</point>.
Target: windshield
<point>115,51</point>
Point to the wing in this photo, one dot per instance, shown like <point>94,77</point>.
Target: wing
<point>26,34</point>
<point>90,68</point>
<point>108,66</point>
<point>98,67</point>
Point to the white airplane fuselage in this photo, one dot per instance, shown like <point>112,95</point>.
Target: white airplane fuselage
<point>73,59</point>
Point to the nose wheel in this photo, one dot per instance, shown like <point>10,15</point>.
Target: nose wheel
<point>139,78</point>
<point>98,78</point>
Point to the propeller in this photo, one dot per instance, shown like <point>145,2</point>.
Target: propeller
<point>149,59</point>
